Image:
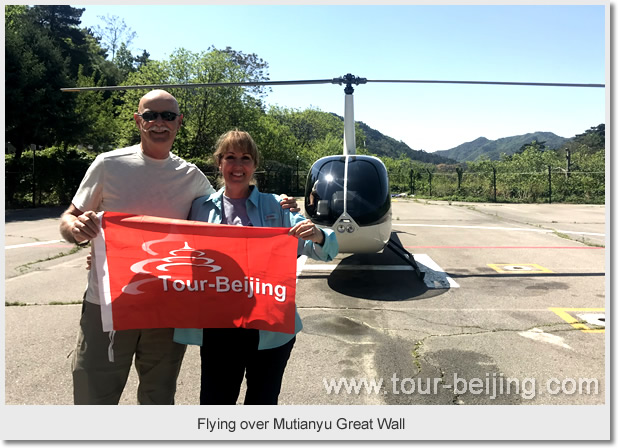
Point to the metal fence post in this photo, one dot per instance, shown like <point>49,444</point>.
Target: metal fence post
<point>495,188</point>
<point>549,179</point>
<point>297,176</point>
<point>459,176</point>
<point>430,177</point>
<point>33,176</point>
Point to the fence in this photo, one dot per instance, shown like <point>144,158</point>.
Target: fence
<point>42,180</point>
<point>56,180</point>
<point>553,185</point>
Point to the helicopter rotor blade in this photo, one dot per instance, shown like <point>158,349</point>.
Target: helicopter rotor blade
<point>502,83</point>
<point>348,80</point>
<point>210,84</point>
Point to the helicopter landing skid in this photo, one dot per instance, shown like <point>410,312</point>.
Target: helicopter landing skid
<point>406,256</point>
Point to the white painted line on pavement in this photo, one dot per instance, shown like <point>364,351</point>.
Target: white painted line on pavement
<point>39,243</point>
<point>434,273</point>
<point>355,267</point>
<point>497,228</point>
<point>597,319</point>
<point>538,334</point>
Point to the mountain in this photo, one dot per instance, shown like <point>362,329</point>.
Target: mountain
<point>383,145</point>
<point>471,151</point>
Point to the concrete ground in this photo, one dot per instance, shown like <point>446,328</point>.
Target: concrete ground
<point>525,301</point>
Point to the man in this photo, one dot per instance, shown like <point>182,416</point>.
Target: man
<point>145,179</point>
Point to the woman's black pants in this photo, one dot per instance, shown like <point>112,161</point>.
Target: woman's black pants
<point>228,354</point>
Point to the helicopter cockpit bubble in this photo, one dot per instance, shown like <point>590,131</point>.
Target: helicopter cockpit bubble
<point>367,199</point>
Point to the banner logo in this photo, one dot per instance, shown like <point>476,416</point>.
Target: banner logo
<point>163,273</point>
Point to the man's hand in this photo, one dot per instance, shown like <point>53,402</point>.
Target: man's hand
<point>289,202</point>
<point>77,226</point>
<point>85,227</point>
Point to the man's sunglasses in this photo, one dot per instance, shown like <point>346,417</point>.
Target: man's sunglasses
<point>152,116</point>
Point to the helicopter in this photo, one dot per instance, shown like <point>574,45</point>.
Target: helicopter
<point>348,193</point>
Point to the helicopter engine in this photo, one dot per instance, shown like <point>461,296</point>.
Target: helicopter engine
<point>351,195</point>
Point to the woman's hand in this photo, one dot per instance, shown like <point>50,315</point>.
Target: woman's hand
<point>289,202</point>
<point>307,230</point>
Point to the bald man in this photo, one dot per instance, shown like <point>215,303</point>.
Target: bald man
<point>145,179</point>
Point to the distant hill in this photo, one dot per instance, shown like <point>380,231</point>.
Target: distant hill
<point>383,145</point>
<point>471,151</point>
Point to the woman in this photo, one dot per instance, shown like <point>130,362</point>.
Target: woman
<point>228,354</point>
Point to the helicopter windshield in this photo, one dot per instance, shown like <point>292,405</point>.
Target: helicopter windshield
<point>368,197</point>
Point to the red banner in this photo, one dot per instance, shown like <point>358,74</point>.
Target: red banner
<point>172,273</point>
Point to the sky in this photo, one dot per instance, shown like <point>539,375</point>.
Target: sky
<point>490,42</point>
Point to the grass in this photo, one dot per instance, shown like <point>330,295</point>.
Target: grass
<point>416,355</point>
<point>583,240</point>
<point>24,267</point>
<point>17,303</point>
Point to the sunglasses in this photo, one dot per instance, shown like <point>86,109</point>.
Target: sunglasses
<point>152,116</point>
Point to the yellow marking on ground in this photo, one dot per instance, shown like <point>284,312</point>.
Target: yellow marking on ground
<point>519,268</point>
<point>564,314</point>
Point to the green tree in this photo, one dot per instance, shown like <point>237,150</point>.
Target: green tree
<point>46,50</point>
<point>317,133</point>
<point>208,112</point>
<point>213,111</point>
<point>142,59</point>
<point>113,34</point>
<point>592,140</point>
<point>275,141</point>
<point>96,111</point>
<point>62,22</point>
<point>124,60</point>
<point>37,111</point>
<point>540,146</point>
